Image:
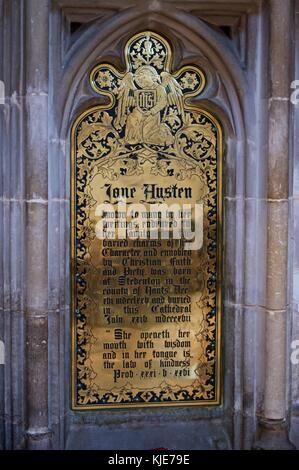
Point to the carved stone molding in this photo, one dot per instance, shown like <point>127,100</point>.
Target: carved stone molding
<point>226,96</point>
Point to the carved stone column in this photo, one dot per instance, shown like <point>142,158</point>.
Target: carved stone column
<point>36,277</point>
<point>272,425</point>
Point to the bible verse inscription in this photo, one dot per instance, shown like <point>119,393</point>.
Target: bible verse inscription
<point>146,238</point>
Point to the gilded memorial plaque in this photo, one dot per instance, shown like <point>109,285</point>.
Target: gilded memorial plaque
<point>146,237</point>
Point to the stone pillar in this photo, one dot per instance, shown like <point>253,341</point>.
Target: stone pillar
<point>272,425</point>
<point>36,276</point>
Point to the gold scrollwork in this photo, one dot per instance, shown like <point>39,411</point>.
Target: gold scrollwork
<point>149,128</point>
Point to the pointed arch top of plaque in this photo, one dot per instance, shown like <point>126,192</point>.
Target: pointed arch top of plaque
<point>150,84</point>
<point>146,313</point>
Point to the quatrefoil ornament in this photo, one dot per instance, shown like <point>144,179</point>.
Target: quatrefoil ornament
<point>149,100</point>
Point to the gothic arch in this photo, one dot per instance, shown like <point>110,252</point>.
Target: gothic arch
<point>225,98</point>
<point>85,52</point>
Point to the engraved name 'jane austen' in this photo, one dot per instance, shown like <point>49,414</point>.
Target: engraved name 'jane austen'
<point>146,304</point>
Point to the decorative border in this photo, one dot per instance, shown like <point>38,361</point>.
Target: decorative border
<point>219,156</point>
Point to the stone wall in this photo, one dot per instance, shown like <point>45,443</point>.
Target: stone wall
<point>293,275</point>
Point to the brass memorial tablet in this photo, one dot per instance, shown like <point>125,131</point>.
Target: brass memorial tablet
<point>146,237</point>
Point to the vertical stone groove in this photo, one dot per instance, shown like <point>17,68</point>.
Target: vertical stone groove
<point>37,43</point>
<point>272,424</point>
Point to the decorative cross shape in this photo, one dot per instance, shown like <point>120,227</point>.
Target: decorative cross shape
<point>149,100</point>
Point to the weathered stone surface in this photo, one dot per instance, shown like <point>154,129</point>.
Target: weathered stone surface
<point>36,353</point>
<point>277,254</point>
<point>37,46</point>
<point>275,371</point>
<point>37,147</point>
<point>295,251</point>
<point>294,254</point>
<point>280,37</point>
<point>255,211</point>
<point>36,259</point>
<point>278,162</point>
<point>189,435</point>
<point>274,405</point>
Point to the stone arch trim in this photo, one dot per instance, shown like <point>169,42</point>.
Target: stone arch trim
<point>204,38</point>
<point>94,48</point>
<point>232,90</point>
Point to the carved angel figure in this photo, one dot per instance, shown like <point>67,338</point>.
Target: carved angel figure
<point>142,97</point>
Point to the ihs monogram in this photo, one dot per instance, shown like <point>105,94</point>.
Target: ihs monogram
<point>149,99</point>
